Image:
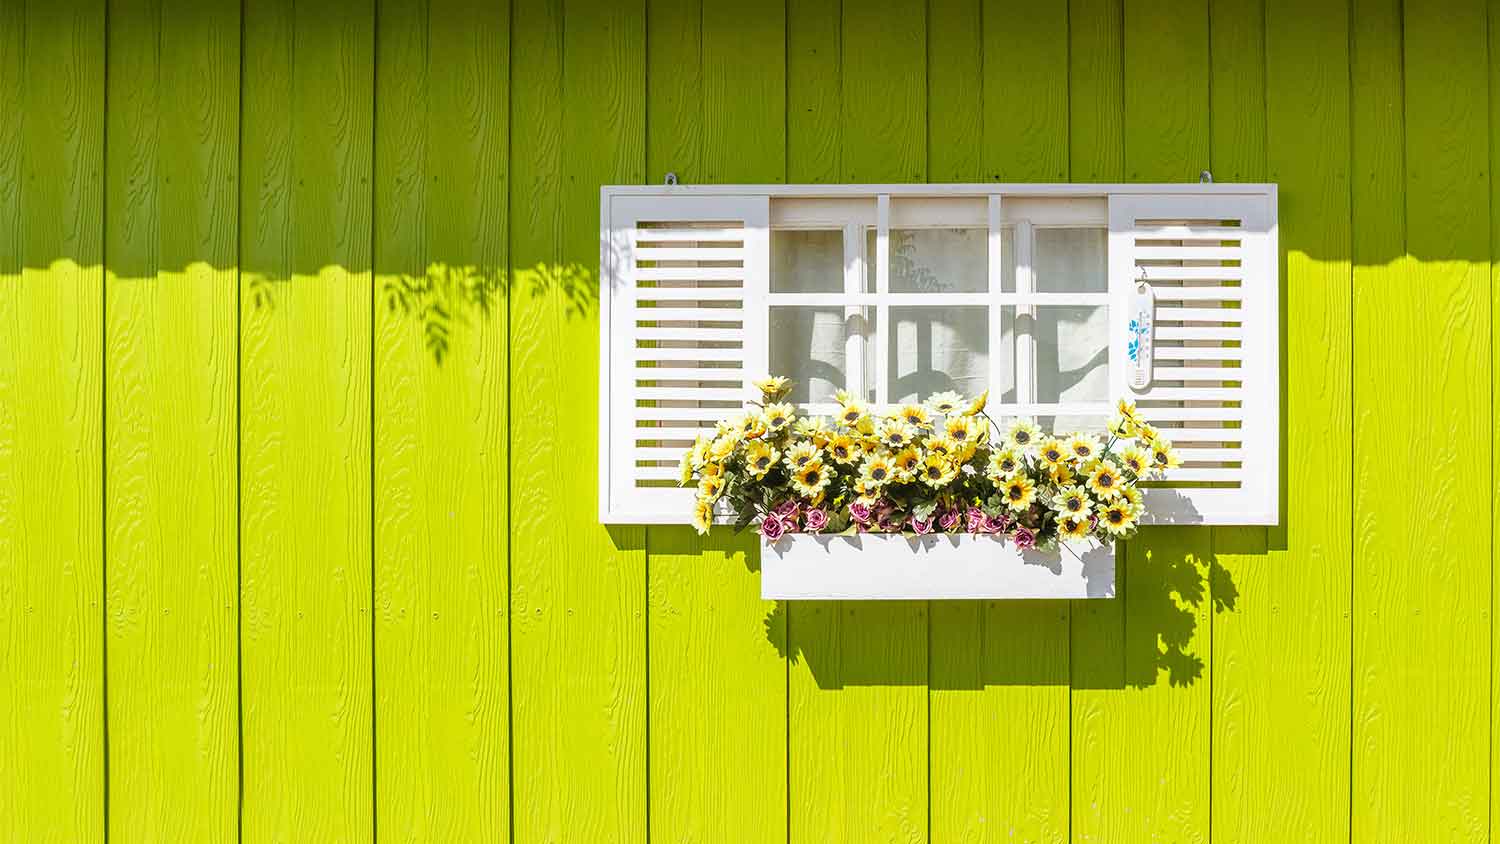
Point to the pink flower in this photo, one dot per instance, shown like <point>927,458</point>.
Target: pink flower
<point>815,519</point>
<point>948,520</point>
<point>786,508</point>
<point>996,524</point>
<point>976,520</point>
<point>860,512</point>
<point>921,527</point>
<point>1024,538</point>
<point>772,528</point>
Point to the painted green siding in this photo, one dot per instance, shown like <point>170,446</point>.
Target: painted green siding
<point>298,373</point>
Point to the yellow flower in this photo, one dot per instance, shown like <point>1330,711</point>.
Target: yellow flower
<point>710,488</point>
<point>1051,453</point>
<point>685,468</point>
<point>713,470</point>
<point>1004,465</point>
<point>842,396</point>
<point>750,425</point>
<point>722,447</point>
<point>801,454</point>
<point>1061,474</point>
<point>703,515</point>
<point>844,449</point>
<point>942,445</point>
<point>907,460</point>
<point>878,470</point>
<point>866,492</point>
<point>895,434</point>
<point>965,452</point>
<point>1117,516</point>
<point>977,405</point>
<point>1136,460</point>
<point>759,458</point>
<point>1132,496</point>
<point>811,478</point>
<point>1083,447</point>
<point>1024,434</point>
<point>1122,426</point>
<point>915,415</point>
<point>945,403</point>
<point>1071,501</point>
<point>1071,529</point>
<point>852,412</point>
<point>1126,409</point>
<point>814,428</point>
<point>1163,456</point>
<point>778,416</point>
<point>773,387</point>
<point>937,471</point>
<point>1145,433</point>
<point>1018,492</point>
<point>700,449</point>
<point>963,429</point>
<point>1104,479</point>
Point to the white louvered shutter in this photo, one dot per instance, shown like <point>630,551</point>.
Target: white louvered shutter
<point>684,332</point>
<point>1211,263</point>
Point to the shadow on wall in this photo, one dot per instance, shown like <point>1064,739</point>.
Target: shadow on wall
<point>1169,596</point>
<point>445,300</point>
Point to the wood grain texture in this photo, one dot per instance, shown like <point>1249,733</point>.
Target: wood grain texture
<point>955,90</point>
<point>1141,700</point>
<point>1096,100</point>
<point>171,420</point>
<point>814,91</point>
<point>717,682</point>
<point>1494,161</point>
<point>305,421</point>
<point>1421,600</point>
<point>51,446</point>
<point>883,92</point>
<point>441,440</point>
<point>1025,91</point>
<point>578,589</point>
<point>1299,722</point>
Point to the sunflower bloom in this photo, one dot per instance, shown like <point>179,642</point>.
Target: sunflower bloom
<point>1004,465</point>
<point>1071,501</point>
<point>685,468</point>
<point>1062,474</point>
<point>1072,529</point>
<point>945,403</point>
<point>814,428</point>
<point>896,435</point>
<point>1163,456</point>
<point>1136,460</point>
<point>1122,426</point>
<point>878,470</point>
<point>845,449</point>
<point>1145,433</point>
<point>1133,496</point>
<point>916,416</point>
<point>937,471</point>
<point>1018,493</point>
<point>810,479</point>
<point>703,516</point>
<point>1126,408</point>
<point>801,454</point>
<point>1051,453</point>
<point>1105,479</point>
<point>777,417</point>
<point>1117,517</point>
<point>1083,447</point>
<point>760,457</point>
<point>963,429</point>
<point>710,488</point>
<point>852,412</point>
<point>722,447</point>
<point>1023,434</point>
<point>977,405</point>
<point>907,460</point>
<point>943,445</point>
<point>773,387</point>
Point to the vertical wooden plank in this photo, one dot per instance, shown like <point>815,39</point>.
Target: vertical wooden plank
<point>1237,90</point>
<point>718,686</point>
<point>305,421</point>
<point>857,731</point>
<point>814,90</point>
<point>1026,91</point>
<point>1141,701</point>
<point>1298,721</point>
<point>955,90</point>
<point>1494,115</point>
<point>999,669</point>
<point>1166,87</point>
<point>578,589</point>
<point>1422,585</point>
<point>1096,101</point>
<point>441,498</point>
<point>171,420</point>
<point>675,107</point>
<point>51,446</point>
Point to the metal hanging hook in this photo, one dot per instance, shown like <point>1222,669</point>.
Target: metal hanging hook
<point>1205,178</point>
<point>671,177</point>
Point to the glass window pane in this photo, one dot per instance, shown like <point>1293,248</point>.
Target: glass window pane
<point>808,346</point>
<point>1008,259</point>
<point>1072,353</point>
<point>1064,425</point>
<point>807,261</point>
<point>937,349</point>
<point>954,260</point>
<point>1071,260</point>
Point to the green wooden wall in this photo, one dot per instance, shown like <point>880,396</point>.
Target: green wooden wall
<point>298,334</point>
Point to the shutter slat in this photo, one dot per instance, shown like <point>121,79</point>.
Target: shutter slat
<point>689,253</point>
<point>692,393</point>
<point>1197,332</point>
<point>696,414</point>
<point>705,333</point>
<point>1194,473</point>
<point>1188,233</point>
<point>1203,394</point>
<point>1196,373</point>
<point>1176,353</point>
<point>690,273</point>
<point>704,235</point>
<point>1175,314</point>
<point>688,294</point>
<point>663,353</point>
<point>687,373</point>
<point>1196,414</point>
<point>1187,253</point>
<point>689,314</point>
<point>1220,273</point>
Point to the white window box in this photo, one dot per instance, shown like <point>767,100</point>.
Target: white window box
<point>870,566</point>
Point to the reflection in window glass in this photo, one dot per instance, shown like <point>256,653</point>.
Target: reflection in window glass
<point>807,346</point>
<point>807,261</point>
<point>1071,260</point>
<point>1008,259</point>
<point>937,349</point>
<point>1064,425</point>
<point>933,260</point>
<point>1072,357</point>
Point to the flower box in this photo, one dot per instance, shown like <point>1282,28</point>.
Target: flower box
<point>874,566</point>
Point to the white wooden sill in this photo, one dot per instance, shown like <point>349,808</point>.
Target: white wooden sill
<point>802,566</point>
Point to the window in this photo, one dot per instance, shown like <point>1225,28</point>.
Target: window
<point>894,292</point>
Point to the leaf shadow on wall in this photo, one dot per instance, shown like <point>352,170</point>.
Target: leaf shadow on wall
<point>1157,635</point>
<point>445,303</point>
